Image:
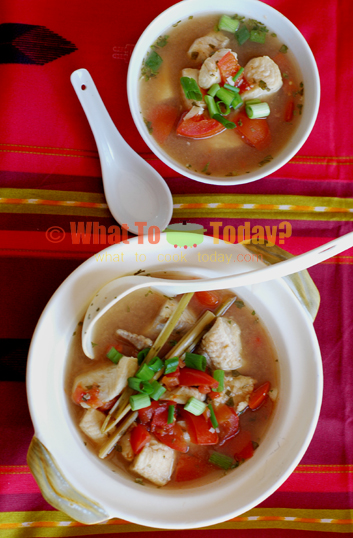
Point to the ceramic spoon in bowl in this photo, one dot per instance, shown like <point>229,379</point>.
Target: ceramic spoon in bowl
<point>118,288</point>
<point>134,191</point>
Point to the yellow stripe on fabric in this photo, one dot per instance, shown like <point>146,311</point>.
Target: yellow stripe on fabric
<point>263,206</point>
<point>53,524</point>
<point>43,148</point>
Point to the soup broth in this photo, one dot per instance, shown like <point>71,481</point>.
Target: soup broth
<point>201,451</point>
<point>250,144</point>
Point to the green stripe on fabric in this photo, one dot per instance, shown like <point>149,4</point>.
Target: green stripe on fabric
<point>339,521</point>
<point>95,197</point>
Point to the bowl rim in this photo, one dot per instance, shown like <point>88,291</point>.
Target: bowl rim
<point>188,7</point>
<point>40,420</point>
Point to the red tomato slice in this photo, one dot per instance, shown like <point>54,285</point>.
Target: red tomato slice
<point>258,397</point>
<point>191,468</point>
<point>172,436</point>
<point>228,422</point>
<point>146,414</point>
<point>246,453</point>
<point>108,405</point>
<point>256,132</point>
<point>228,66</point>
<point>207,298</point>
<point>139,438</point>
<point>199,429</point>
<point>288,113</point>
<point>199,127</point>
<point>160,417</point>
<point>162,118</point>
<point>190,377</point>
<point>89,396</point>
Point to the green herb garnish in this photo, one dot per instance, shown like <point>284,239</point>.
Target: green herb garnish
<point>283,49</point>
<point>266,160</point>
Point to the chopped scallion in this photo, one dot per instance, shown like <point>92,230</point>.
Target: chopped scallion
<point>211,105</point>
<point>238,73</point>
<point>219,376</point>
<point>158,390</point>
<point>222,108</point>
<point>213,90</point>
<point>243,35</point>
<point>253,101</point>
<point>191,89</point>
<point>171,414</point>
<point>283,49</point>
<point>237,101</point>
<point>147,387</point>
<point>225,95</point>
<point>195,406</point>
<point>171,365</point>
<point>212,416</point>
<point>144,373</point>
<point>142,355</point>
<point>139,401</point>
<point>232,88</point>
<point>228,24</point>
<point>259,110</point>
<point>198,362</point>
<point>221,460</point>
<point>227,124</point>
<point>134,384</point>
<point>155,364</point>
<point>114,355</point>
<point>257,36</point>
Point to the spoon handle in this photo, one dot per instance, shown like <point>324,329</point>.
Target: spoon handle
<point>108,139</point>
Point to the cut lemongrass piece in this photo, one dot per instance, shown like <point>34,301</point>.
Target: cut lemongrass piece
<point>213,90</point>
<point>228,24</point>
<point>193,336</point>
<point>194,406</point>
<point>109,445</point>
<point>259,110</point>
<point>222,309</point>
<point>109,416</point>
<point>211,105</point>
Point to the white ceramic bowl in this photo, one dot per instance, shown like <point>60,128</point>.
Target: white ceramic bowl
<point>254,9</point>
<point>284,444</point>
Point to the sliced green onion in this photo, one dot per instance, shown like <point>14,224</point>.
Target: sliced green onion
<point>283,49</point>
<point>158,390</point>
<point>228,24</point>
<point>213,416</point>
<point>191,89</point>
<point>194,406</point>
<point>144,373</point>
<point>147,387</point>
<point>221,460</point>
<point>253,101</point>
<point>171,365</point>
<point>225,95</point>
<point>213,90</point>
<point>259,110</point>
<point>211,105</point>
<point>243,35</point>
<point>142,355</point>
<point>114,355</point>
<point>218,375</point>
<point>222,108</point>
<point>238,73</point>
<point>155,364</point>
<point>198,362</point>
<point>170,414</point>
<point>139,401</point>
<point>134,384</point>
<point>232,88</point>
<point>237,101</point>
<point>227,124</point>
<point>257,36</point>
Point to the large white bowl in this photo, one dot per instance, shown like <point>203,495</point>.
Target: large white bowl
<point>292,427</point>
<point>253,9</point>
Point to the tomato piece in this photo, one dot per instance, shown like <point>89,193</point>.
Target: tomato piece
<point>190,377</point>
<point>199,127</point>
<point>213,395</point>
<point>160,417</point>
<point>199,429</point>
<point>172,436</point>
<point>258,396</point>
<point>89,396</point>
<point>207,298</point>
<point>162,118</point>
<point>146,414</point>
<point>108,405</point>
<point>139,438</point>
<point>204,389</point>
<point>244,448</point>
<point>228,66</point>
<point>242,84</point>
<point>256,132</point>
<point>288,113</point>
<point>191,468</point>
<point>228,422</point>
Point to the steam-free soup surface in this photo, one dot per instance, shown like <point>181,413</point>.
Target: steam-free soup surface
<point>251,144</point>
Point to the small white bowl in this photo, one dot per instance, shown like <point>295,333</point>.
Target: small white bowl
<point>252,9</point>
<point>69,462</point>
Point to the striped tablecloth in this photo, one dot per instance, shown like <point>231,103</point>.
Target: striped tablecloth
<point>51,192</point>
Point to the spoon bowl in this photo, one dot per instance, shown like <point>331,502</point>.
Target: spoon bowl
<point>136,194</point>
<point>118,288</point>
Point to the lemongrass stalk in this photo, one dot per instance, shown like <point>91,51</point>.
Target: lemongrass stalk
<point>192,337</point>
<point>222,309</point>
<point>109,445</point>
<point>116,420</point>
